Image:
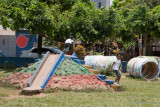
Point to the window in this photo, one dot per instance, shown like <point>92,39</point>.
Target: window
<point>43,50</point>
<point>34,50</point>
<point>99,5</point>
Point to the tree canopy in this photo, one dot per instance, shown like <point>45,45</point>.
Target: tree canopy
<point>59,19</point>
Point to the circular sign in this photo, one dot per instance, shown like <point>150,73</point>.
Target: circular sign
<point>21,41</point>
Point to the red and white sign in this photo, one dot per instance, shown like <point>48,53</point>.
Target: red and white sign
<point>22,41</point>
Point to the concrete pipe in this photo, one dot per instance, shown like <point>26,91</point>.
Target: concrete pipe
<point>143,67</point>
<point>99,62</point>
<point>90,60</point>
<point>152,58</point>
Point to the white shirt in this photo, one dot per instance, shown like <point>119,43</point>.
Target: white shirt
<point>69,41</point>
<point>117,64</point>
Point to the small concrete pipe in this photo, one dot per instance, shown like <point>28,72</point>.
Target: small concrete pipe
<point>143,67</point>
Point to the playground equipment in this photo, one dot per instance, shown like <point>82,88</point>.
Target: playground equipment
<point>18,65</point>
<point>143,67</point>
<point>99,76</point>
<point>48,67</point>
<point>5,64</point>
<point>44,72</point>
<point>104,78</point>
<point>99,62</point>
<point>75,58</point>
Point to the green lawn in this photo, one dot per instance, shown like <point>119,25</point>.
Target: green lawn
<point>135,93</point>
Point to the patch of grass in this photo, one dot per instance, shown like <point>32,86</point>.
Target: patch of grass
<point>133,93</point>
<point>30,93</point>
<point>50,90</point>
<point>6,92</point>
<point>19,69</point>
<point>121,88</point>
<point>4,95</point>
<point>7,85</point>
<point>133,77</point>
<point>4,74</point>
<point>87,90</point>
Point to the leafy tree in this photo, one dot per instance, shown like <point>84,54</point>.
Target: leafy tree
<point>139,20</point>
<point>132,3</point>
<point>156,18</point>
<point>32,15</point>
<point>120,3</point>
<point>47,18</point>
<point>91,24</point>
<point>65,5</point>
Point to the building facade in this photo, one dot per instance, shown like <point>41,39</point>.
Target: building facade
<point>7,42</point>
<point>102,3</point>
<point>12,42</point>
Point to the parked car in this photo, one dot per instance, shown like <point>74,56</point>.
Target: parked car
<point>32,53</point>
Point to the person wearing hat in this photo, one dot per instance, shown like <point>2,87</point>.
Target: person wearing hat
<point>68,46</point>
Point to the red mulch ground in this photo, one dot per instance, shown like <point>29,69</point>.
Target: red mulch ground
<point>70,81</point>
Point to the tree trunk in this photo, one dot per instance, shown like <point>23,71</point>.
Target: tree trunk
<point>93,48</point>
<point>39,47</point>
<point>140,45</point>
<point>150,47</point>
<point>145,45</point>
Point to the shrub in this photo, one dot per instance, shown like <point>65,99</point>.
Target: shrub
<point>60,45</point>
<point>107,72</point>
<point>80,50</point>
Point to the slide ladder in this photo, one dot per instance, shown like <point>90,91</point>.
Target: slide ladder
<point>98,75</point>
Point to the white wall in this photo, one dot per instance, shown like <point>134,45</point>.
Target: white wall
<point>7,42</point>
<point>8,45</point>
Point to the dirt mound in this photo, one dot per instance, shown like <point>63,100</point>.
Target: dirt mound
<point>18,79</point>
<point>70,81</point>
<point>76,82</point>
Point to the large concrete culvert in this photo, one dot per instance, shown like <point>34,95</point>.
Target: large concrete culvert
<point>143,67</point>
<point>99,62</point>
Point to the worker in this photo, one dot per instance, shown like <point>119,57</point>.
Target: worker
<point>116,67</point>
<point>68,46</point>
